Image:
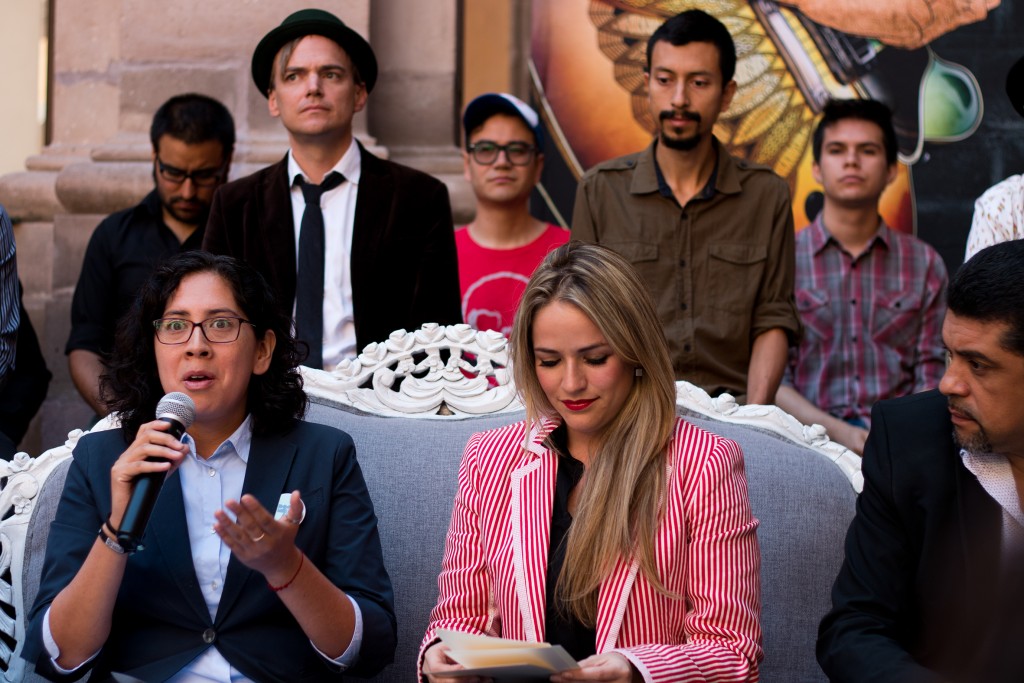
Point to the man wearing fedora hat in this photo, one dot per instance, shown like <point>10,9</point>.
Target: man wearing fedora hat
<point>999,212</point>
<point>359,246</point>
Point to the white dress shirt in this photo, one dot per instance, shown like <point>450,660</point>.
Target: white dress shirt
<point>205,485</point>
<point>339,208</point>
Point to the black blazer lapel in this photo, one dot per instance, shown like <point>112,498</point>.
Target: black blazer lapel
<point>270,462</point>
<point>276,228</point>
<point>168,535</point>
<point>374,208</point>
<point>991,613</point>
<point>981,523</point>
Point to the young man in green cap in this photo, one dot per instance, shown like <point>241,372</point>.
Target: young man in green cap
<point>357,246</point>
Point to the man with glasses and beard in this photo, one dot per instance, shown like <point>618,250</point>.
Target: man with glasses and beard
<point>710,234</point>
<point>193,138</point>
<point>930,589</point>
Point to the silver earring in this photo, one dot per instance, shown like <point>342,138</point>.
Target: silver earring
<point>639,372</point>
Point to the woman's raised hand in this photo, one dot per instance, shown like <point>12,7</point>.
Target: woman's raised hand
<point>261,542</point>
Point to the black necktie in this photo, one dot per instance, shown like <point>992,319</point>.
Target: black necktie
<point>309,286</point>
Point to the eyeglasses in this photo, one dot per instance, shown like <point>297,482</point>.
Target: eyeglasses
<point>486,152</point>
<point>204,177</point>
<point>216,330</point>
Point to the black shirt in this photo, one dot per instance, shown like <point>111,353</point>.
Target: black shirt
<point>122,252</point>
<point>560,627</point>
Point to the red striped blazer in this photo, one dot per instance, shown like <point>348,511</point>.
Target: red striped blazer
<point>492,577</point>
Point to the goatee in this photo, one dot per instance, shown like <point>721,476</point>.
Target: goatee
<point>973,443</point>
<point>680,144</point>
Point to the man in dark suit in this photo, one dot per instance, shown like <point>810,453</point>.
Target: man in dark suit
<point>358,245</point>
<point>931,588</point>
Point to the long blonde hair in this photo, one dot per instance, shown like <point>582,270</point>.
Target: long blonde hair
<point>619,508</point>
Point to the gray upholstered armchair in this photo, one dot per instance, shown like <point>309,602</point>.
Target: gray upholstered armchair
<point>410,404</point>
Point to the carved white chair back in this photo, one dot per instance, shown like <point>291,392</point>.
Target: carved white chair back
<point>440,371</point>
<point>21,481</point>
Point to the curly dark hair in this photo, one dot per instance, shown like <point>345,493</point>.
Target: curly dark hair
<point>131,383</point>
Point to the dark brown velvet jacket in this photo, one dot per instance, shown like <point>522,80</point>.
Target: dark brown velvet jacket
<point>404,264</point>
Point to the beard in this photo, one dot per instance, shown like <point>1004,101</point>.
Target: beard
<point>685,144</point>
<point>189,212</point>
<point>978,442</point>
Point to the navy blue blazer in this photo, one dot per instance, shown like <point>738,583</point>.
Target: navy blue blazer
<point>161,621</point>
<point>921,596</point>
<point>405,270</point>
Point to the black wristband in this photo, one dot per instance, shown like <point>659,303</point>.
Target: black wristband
<point>111,542</point>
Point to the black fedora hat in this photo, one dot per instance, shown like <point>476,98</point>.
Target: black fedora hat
<point>307,22</point>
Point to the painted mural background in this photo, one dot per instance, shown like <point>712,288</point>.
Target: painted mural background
<point>588,58</point>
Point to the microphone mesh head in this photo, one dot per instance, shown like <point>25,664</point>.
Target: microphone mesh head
<point>178,406</point>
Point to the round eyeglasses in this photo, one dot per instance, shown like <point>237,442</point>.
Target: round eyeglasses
<point>216,330</point>
<point>485,152</point>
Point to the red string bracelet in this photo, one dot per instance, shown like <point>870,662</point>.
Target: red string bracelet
<point>276,589</point>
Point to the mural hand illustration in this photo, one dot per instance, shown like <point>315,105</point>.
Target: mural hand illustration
<point>901,23</point>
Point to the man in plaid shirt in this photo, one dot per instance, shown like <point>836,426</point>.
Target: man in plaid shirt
<point>871,299</point>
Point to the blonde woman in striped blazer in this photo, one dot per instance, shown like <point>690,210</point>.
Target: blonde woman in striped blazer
<point>602,522</point>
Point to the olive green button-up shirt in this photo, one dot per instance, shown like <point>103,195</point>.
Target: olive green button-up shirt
<point>720,269</point>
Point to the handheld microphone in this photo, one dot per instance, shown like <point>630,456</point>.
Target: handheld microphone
<point>177,410</point>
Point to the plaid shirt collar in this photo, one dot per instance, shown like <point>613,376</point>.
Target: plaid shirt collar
<point>821,237</point>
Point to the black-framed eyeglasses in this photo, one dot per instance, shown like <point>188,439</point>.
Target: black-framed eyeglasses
<point>485,152</point>
<point>216,330</point>
<point>204,177</point>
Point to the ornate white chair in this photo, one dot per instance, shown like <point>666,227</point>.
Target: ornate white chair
<point>410,403</point>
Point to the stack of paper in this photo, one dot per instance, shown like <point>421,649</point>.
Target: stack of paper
<point>505,659</point>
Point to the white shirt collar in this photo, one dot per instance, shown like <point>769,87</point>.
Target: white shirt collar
<point>240,440</point>
<point>349,165</point>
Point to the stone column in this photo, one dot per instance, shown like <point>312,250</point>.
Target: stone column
<point>415,105</point>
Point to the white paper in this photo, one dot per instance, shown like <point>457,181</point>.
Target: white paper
<point>500,657</point>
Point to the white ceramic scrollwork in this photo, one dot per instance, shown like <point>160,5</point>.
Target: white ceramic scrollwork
<point>775,420</point>
<point>452,370</point>
<point>22,479</point>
